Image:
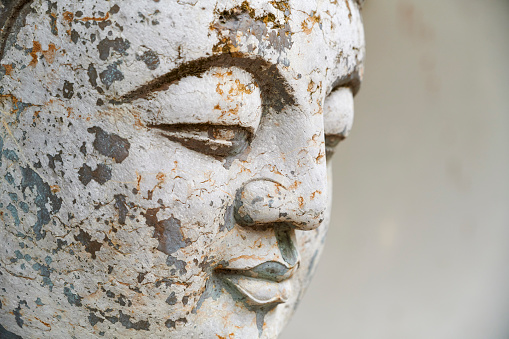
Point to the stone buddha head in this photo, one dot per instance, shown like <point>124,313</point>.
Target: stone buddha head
<point>164,164</point>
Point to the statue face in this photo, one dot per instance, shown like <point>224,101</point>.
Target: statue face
<point>164,163</point>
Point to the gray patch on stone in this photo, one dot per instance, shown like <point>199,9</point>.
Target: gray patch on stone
<point>10,155</point>
<point>125,320</point>
<point>286,246</point>
<point>118,44</point>
<point>178,264</point>
<point>14,213</point>
<point>4,334</point>
<point>121,206</point>
<point>68,89</point>
<point>110,75</point>
<point>229,219</point>
<point>150,58</point>
<point>92,75</point>
<point>93,319</point>
<point>73,299</point>
<point>167,231</point>
<point>101,174</point>
<point>213,287</point>
<point>30,179</point>
<point>17,313</point>
<point>172,299</point>
<point>110,145</point>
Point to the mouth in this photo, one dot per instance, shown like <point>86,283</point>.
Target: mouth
<point>266,284</point>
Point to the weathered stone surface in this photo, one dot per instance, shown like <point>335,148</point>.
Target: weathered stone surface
<point>163,165</point>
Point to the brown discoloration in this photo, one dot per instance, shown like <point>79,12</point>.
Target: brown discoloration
<point>101,174</point>
<point>150,58</point>
<point>294,186</point>
<point>241,21</point>
<point>8,69</point>
<point>276,92</point>
<point>91,246</point>
<point>68,16</point>
<point>49,54</point>
<point>53,23</point>
<point>308,24</point>
<point>283,6</point>
<point>160,180</point>
<point>301,202</point>
<point>89,18</point>
<point>347,2</point>
<point>35,49</point>
<point>312,196</point>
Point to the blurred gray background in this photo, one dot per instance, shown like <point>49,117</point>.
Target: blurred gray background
<point>419,241</point>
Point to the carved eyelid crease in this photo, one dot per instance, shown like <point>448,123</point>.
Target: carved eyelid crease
<point>219,141</point>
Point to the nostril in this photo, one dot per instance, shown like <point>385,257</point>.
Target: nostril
<point>260,202</point>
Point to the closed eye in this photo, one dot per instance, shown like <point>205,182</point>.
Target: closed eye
<point>338,118</point>
<point>217,141</point>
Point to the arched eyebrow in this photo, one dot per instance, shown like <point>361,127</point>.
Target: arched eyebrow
<point>351,80</point>
<point>276,92</point>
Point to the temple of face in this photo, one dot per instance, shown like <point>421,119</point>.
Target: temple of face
<point>163,163</point>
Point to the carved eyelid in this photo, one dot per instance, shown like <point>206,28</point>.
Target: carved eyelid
<point>219,141</point>
<point>338,117</point>
<point>352,80</point>
<point>218,97</point>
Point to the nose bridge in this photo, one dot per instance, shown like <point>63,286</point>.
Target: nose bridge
<point>290,184</point>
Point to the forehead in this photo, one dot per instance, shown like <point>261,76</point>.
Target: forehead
<point>129,43</point>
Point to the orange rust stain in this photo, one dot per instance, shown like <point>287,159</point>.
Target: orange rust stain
<point>160,177</point>
<point>254,257</point>
<point>320,156</point>
<point>311,86</point>
<point>8,69</point>
<point>35,49</point>
<point>233,111</point>
<point>36,115</point>
<point>219,90</point>
<point>44,323</point>
<point>294,185</point>
<point>301,202</point>
<point>230,336</point>
<point>239,89</point>
<point>308,24</point>
<point>13,99</point>
<point>138,181</point>
<point>68,16</point>
<point>349,10</point>
<point>55,188</point>
<point>49,54</point>
<point>88,18</point>
<point>312,196</point>
<point>221,75</point>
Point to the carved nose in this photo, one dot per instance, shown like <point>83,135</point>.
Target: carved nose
<point>264,202</point>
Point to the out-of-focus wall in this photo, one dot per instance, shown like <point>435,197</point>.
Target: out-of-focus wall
<point>419,242</point>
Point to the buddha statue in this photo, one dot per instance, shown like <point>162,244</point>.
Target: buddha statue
<point>164,164</point>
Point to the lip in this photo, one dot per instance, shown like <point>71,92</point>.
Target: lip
<point>265,284</point>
